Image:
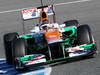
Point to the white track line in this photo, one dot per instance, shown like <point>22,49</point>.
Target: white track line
<point>79,1</point>
<point>2,59</point>
<point>71,2</point>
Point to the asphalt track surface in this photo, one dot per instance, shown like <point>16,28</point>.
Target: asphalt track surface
<point>86,12</point>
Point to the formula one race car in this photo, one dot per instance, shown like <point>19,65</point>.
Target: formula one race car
<point>48,41</point>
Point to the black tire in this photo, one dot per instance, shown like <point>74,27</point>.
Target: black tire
<point>19,47</point>
<point>84,35</point>
<point>19,50</point>
<point>8,42</point>
<point>71,23</point>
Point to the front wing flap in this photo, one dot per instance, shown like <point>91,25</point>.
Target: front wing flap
<point>28,60</point>
<point>81,50</point>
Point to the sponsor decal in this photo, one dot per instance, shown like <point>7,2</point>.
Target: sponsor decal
<point>36,61</point>
<point>75,54</point>
<point>74,49</point>
<point>35,13</point>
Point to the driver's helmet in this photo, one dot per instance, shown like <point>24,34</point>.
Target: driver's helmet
<point>43,18</point>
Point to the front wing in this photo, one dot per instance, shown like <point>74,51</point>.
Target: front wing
<point>36,59</point>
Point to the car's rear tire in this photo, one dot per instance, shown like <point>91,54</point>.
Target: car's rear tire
<point>84,35</point>
<point>71,23</point>
<point>8,43</point>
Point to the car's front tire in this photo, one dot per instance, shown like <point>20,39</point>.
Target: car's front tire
<point>84,35</point>
<point>8,44</point>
